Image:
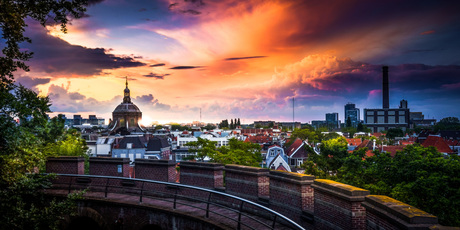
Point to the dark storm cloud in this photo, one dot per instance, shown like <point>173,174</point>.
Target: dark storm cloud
<point>242,58</point>
<point>157,76</point>
<point>156,65</point>
<point>150,100</point>
<point>186,67</point>
<point>30,82</point>
<point>56,56</point>
<point>190,11</point>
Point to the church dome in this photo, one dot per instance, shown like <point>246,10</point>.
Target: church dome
<point>126,107</point>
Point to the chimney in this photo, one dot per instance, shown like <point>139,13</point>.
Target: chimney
<point>386,95</point>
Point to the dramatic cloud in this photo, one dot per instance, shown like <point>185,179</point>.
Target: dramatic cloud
<point>241,58</point>
<point>186,67</point>
<point>156,65</point>
<point>150,101</point>
<point>31,83</point>
<point>57,57</point>
<point>157,76</point>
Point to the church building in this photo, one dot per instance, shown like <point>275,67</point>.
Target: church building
<point>126,116</point>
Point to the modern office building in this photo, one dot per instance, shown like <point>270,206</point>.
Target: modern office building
<point>353,113</point>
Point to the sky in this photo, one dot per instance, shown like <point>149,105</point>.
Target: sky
<point>249,59</point>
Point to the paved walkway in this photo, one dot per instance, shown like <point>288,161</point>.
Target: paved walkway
<point>220,216</point>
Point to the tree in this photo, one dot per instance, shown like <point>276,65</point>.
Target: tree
<point>209,126</point>
<point>232,126</point>
<point>25,131</point>
<point>12,24</point>
<point>393,133</point>
<point>348,122</point>
<point>419,176</point>
<point>239,123</point>
<point>202,148</point>
<point>447,123</point>
<point>238,152</point>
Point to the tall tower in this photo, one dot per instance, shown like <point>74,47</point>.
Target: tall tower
<point>385,91</point>
<point>127,96</point>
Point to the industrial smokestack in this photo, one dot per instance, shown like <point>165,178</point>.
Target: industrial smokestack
<point>385,91</point>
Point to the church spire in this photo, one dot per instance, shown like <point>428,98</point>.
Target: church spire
<point>127,96</point>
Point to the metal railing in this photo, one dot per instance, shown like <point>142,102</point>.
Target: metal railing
<point>230,210</point>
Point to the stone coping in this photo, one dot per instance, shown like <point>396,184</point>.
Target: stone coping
<point>399,209</point>
<point>109,160</point>
<point>347,190</point>
<point>202,165</point>
<point>65,158</point>
<point>154,162</point>
<point>292,177</point>
<point>248,170</point>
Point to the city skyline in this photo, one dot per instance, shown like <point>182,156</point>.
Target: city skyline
<point>247,60</point>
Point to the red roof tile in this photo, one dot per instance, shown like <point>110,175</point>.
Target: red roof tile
<point>392,149</point>
<point>439,143</point>
<point>354,141</point>
<point>293,147</point>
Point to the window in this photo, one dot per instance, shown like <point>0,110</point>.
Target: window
<point>129,145</point>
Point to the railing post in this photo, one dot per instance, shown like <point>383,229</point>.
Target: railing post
<point>175,198</point>
<point>142,191</point>
<point>207,206</point>
<point>274,221</point>
<point>70,184</point>
<point>106,187</point>
<point>239,215</point>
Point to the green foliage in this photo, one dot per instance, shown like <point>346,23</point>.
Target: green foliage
<point>23,144</point>
<point>24,206</point>
<point>237,152</point>
<point>223,124</point>
<point>307,133</point>
<point>395,132</point>
<point>175,127</point>
<point>447,123</point>
<point>209,126</point>
<point>12,22</point>
<point>419,176</point>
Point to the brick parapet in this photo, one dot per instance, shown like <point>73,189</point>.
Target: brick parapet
<point>291,194</point>
<point>383,211</point>
<point>65,165</point>
<point>339,205</point>
<point>160,170</point>
<point>107,166</point>
<point>207,175</point>
<point>248,182</point>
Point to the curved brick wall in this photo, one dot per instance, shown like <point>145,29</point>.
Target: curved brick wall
<point>313,203</point>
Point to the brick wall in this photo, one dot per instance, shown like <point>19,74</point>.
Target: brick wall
<point>65,165</point>
<point>291,194</point>
<point>108,166</point>
<point>160,170</point>
<point>338,206</point>
<point>387,213</point>
<point>206,175</point>
<point>248,182</point>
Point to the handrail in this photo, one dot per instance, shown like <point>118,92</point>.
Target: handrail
<point>239,210</point>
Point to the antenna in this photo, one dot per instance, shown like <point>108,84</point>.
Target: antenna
<point>293,121</point>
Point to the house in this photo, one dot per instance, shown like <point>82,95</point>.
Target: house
<point>158,148</point>
<point>297,153</point>
<point>131,146</point>
<point>276,159</point>
<point>439,143</point>
<point>353,143</point>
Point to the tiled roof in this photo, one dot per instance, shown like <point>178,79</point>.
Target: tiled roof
<point>293,147</point>
<point>137,142</point>
<point>439,143</point>
<point>392,149</point>
<point>354,141</point>
<point>259,139</point>
<point>157,143</point>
